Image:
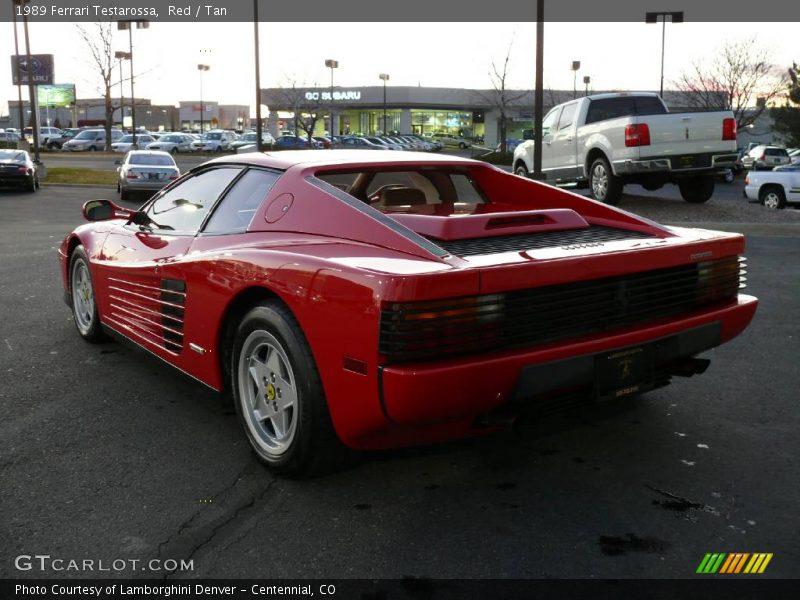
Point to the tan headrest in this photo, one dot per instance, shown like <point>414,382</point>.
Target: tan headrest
<point>403,197</point>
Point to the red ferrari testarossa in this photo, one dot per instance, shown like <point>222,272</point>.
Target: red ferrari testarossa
<point>355,300</point>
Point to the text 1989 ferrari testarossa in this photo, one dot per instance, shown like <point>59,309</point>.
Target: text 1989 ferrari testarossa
<point>358,301</point>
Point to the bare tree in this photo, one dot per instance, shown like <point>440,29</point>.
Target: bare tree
<point>500,97</point>
<point>741,78</point>
<point>100,47</point>
<point>305,103</point>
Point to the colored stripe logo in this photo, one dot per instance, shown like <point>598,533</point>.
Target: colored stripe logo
<point>734,563</point>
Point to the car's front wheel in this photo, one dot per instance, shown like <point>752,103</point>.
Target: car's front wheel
<point>84,306</point>
<point>279,396</point>
<point>521,170</point>
<point>772,197</point>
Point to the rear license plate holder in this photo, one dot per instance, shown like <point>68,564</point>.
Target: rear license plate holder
<point>624,372</point>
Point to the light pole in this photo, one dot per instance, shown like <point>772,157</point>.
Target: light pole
<point>576,64</point>
<point>538,109</point>
<point>586,81</point>
<point>31,92</point>
<point>384,77</point>
<point>202,69</point>
<point>122,26</point>
<point>259,124</point>
<point>332,64</point>
<point>653,17</point>
<point>19,79</point>
<point>120,56</point>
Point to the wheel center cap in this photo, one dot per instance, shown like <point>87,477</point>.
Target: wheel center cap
<point>270,392</point>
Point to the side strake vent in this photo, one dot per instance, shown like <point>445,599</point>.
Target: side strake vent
<point>173,297</point>
<point>526,318</point>
<point>596,234</point>
<point>150,309</point>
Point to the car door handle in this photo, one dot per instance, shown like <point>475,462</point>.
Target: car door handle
<point>570,138</point>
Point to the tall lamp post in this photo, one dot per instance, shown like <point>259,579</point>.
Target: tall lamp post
<point>653,17</point>
<point>332,64</point>
<point>576,64</point>
<point>120,56</point>
<point>259,124</point>
<point>122,26</point>
<point>202,69</point>
<point>538,108</point>
<point>586,81</point>
<point>31,88</point>
<point>384,77</point>
<point>19,79</point>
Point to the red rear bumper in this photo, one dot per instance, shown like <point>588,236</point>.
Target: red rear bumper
<point>461,390</point>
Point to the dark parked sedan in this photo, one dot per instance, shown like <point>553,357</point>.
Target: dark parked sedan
<point>17,168</point>
<point>287,142</point>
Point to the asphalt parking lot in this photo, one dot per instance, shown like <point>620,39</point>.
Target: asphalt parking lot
<point>108,453</point>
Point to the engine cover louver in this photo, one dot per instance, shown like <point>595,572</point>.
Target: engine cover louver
<point>595,234</point>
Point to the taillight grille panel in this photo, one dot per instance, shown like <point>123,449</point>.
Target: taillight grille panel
<point>495,322</point>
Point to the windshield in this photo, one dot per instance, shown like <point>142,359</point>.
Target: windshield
<point>249,137</point>
<point>213,136</point>
<point>151,159</point>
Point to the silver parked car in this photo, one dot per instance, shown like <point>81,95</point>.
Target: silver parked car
<point>125,143</point>
<point>145,171</point>
<point>173,142</point>
<point>91,139</point>
<point>765,157</point>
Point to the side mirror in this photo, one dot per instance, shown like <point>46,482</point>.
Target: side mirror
<point>103,210</point>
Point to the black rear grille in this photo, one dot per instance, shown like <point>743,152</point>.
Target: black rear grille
<point>494,322</point>
<point>595,234</point>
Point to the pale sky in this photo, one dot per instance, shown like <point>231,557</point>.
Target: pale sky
<point>458,55</point>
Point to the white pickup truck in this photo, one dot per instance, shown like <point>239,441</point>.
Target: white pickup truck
<point>605,141</point>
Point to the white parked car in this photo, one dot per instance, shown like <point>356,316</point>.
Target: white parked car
<point>125,143</point>
<point>218,140</point>
<point>774,189</point>
<point>452,140</point>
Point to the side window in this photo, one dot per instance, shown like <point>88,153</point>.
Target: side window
<point>183,208</point>
<point>567,116</point>
<point>235,211</point>
<point>549,122</point>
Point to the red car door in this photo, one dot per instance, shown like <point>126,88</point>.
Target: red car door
<point>140,271</point>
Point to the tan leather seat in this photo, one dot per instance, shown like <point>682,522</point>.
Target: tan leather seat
<point>403,197</point>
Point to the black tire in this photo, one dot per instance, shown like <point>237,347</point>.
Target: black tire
<point>36,180</point>
<point>174,150</point>
<point>772,197</point>
<point>697,189</point>
<point>462,145</point>
<point>521,170</point>
<point>31,185</point>
<point>124,195</point>
<point>88,326</point>
<point>313,448</point>
<point>604,185</point>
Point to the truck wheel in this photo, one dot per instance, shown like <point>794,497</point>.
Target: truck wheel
<point>772,197</point>
<point>521,170</point>
<point>605,186</point>
<point>697,190</point>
